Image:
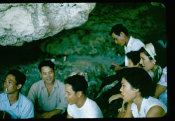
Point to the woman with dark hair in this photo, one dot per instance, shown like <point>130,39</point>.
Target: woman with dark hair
<point>138,90</point>
<point>134,59</point>
<point>153,60</point>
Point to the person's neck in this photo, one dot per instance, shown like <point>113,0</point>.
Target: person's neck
<point>49,84</point>
<point>49,87</point>
<point>13,97</point>
<point>81,101</point>
<point>138,101</point>
<point>127,40</point>
<point>154,68</point>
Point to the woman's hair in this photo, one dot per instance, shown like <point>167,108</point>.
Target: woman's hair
<point>142,50</point>
<point>78,83</point>
<point>139,79</point>
<point>160,57</point>
<point>134,56</point>
<point>46,63</point>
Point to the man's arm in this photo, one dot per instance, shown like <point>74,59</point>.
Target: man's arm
<point>68,116</point>
<point>27,111</point>
<point>117,67</point>
<point>49,114</point>
<point>32,93</point>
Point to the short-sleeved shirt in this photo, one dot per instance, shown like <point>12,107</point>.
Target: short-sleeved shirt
<point>22,109</point>
<point>56,99</point>
<point>133,45</point>
<point>90,109</point>
<point>145,107</point>
<point>163,82</point>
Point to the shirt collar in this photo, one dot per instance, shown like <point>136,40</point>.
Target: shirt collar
<point>55,84</point>
<point>130,41</point>
<point>17,103</point>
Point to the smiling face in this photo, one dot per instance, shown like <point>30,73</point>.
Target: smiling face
<point>10,86</point>
<point>120,40</point>
<point>128,93</point>
<point>70,95</point>
<point>146,63</point>
<point>47,74</point>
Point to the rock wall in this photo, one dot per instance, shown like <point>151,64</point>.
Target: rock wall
<point>26,22</point>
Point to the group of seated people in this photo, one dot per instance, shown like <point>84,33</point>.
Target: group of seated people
<point>143,90</point>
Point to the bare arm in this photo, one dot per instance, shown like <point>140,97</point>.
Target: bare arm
<point>159,90</point>
<point>114,97</point>
<point>117,67</point>
<point>68,116</point>
<point>155,111</point>
<point>49,114</point>
<point>126,113</point>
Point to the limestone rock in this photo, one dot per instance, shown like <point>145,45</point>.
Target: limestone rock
<point>25,22</point>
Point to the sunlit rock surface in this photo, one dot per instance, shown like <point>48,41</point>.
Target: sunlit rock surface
<point>25,22</point>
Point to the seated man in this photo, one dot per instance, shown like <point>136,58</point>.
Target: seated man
<point>122,37</point>
<point>48,94</point>
<point>12,101</point>
<point>80,106</point>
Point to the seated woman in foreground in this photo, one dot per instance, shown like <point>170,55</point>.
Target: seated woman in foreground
<point>138,90</point>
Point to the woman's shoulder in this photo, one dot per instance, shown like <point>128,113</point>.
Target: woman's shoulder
<point>151,101</point>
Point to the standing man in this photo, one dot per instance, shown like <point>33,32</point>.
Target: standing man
<point>12,101</point>
<point>80,106</point>
<point>48,94</point>
<point>121,36</point>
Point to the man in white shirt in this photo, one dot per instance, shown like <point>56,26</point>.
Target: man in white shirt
<point>12,101</point>
<point>121,36</point>
<point>80,106</point>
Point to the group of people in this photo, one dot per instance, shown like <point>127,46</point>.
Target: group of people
<point>145,70</point>
<point>143,87</point>
<point>47,98</point>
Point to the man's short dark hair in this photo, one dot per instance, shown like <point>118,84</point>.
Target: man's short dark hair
<point>134,56</point>
<point>78,83</point>
<point>118,28</point>
<point>19,76</point>
<point>46,63</point>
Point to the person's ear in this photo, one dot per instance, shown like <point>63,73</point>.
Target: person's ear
<point>19,86</point>
<point>136,90</point>
<point>79,93</point>
<point>122,34</point>
<point>154,62</point>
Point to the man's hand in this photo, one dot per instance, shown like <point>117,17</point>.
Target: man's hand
<point>48,114</point>
<point>117,67</point>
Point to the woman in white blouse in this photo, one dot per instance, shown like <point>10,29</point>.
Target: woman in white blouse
<point>138,90</point>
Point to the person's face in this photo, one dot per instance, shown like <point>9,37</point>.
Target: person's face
<point>70,95</point>
<point>146,63</point>
<point>47,74</point>
<point>10,86</point>
<point>120,40</point>
<point>127,91</point>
